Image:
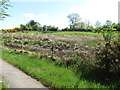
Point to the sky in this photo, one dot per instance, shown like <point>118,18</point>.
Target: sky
<point>55,12</point>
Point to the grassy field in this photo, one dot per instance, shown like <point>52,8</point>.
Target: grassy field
<point>64,33</point>
<point>47,72</point>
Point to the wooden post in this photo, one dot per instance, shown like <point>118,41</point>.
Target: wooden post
<point>12,39</point>
<point>52,49</point>
<point>2,43</point>
<point>22,43</point>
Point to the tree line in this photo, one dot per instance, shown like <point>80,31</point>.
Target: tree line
<point>74,25</point>
<point>36,26</point>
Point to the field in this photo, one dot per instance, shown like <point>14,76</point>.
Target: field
<point>63,33</point>
<point>58,59</point>
<point>53,45</point>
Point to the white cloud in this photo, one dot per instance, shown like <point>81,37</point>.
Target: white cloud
<point>30,15</point>
<point>58,21</point>
<point>43,15</point>
<point>34,16</point>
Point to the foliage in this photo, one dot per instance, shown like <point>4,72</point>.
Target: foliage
<point>108,22</point>
<point>22,27</point>
<point>49,28</point>
<point>16,29</point>
<point>107,70</point>
<point>36,26</point>
<point>108,56</point>
<point>81,25</point>
<point>108,32</point>
<point>3,84</point>
<point>108,53</point>
<point>32,25</point>
<point>118,27</point>
<point>3,6</point>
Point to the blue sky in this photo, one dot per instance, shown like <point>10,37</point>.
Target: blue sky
<point>54,12</point>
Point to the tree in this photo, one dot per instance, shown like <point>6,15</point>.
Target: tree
<point>97,24</point>
<point>3,6</point>
<point>88,24</point>
<point>49,28</point>
<point>44,28</point>
<point>81,25</point>
<point>74,19</point>
<point>118,27</point>
<point>107,32</point>
<point>23,27</point>
<point>28,26</point>
<point>32,25</point>
<point>108,22</point>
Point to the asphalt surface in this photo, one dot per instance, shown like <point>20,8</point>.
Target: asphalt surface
<point>15,78</point>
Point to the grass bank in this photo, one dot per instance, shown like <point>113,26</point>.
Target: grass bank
<point>47,72</point>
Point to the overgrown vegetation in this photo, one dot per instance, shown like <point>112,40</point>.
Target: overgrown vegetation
<point>46,71</point>
<point>108,57</point>
<point>65,53</point>
<point>108,52</point>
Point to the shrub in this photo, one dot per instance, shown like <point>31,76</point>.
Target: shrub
<point>12,30</point>
<point>108,53</point>
<point>108,56</point>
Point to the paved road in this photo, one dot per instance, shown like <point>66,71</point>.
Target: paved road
<point>16,78</point>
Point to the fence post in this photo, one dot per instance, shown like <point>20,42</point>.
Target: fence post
<point>52,49</point>
<point>22,44</point>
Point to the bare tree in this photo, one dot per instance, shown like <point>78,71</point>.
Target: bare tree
<point>74,19</point>
<point>108,22</point>
<point>88,24</point>
<point>97,24</point>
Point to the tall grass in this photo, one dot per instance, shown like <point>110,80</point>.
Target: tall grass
<point>47,72</point>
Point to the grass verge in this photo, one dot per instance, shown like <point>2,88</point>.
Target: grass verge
<point>47,72</point>
<point>3,84</point>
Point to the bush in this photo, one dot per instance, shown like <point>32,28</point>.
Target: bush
<point>108,53</point>
<point>108,57</point>
<point>12,30</point>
